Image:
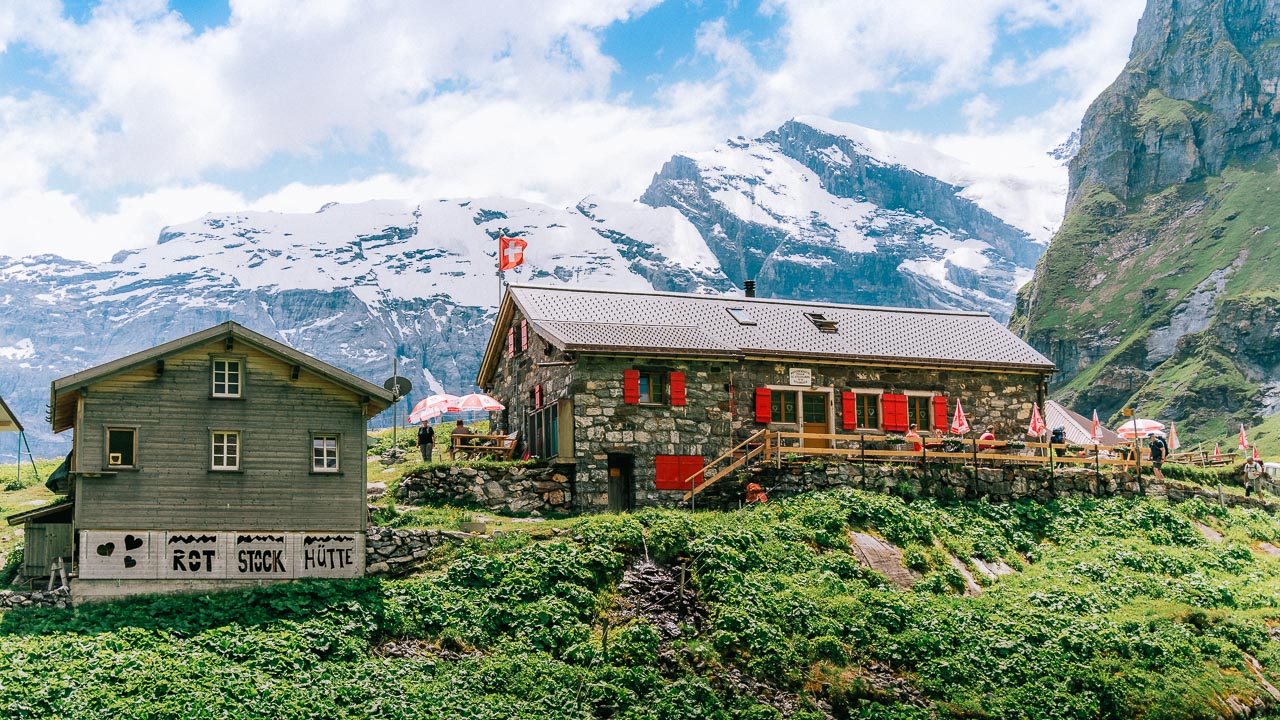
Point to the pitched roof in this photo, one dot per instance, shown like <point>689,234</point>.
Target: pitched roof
<point>1076,425</point>
<point>654,323</point>
<point>8,421</point>
<point>62,387</point>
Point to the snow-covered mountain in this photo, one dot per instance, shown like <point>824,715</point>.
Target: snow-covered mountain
<point>815,209</point>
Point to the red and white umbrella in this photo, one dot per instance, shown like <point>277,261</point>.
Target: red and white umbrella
<point>1174,442</point>
<point>1244,441</point>
<point>1095,430</point>
<point>959,423</point>
<point>476,401</point>
<point>432,407</point>
<point>1139,428</point>
<point>1255,454</point>
<point>1217,452</point>
<point>1037,426</point>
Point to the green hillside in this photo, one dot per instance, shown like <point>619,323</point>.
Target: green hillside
<point>1115,609</point>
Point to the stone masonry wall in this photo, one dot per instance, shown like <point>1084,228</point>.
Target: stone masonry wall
<point>390,551</point>
<point>11,599</point>
<point>513,489</point>
<point>998,484</point>
<point>516,376</point>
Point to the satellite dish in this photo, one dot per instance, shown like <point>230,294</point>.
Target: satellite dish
<point>398,385</point>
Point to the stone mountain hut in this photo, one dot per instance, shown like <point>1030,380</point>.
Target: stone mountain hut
<point>635,391</point>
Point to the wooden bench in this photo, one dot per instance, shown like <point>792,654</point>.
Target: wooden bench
<point>472,447</point>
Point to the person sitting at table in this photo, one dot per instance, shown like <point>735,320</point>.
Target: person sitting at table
<point>459,430</point>
<point>988,435</point>
<point>913,437</point>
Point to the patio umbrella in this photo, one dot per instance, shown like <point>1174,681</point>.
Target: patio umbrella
<point>432,407</point>
<point>1139,428</point>
<point>1095,430</point>
<point>1244,441</point>
<point>959,423</point>
<point>1037,427</point>
<point>475,401</point>
<point>1174,443</point>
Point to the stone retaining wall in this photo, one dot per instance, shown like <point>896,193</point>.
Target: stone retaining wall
<point>390,551</point>
<point>956,483</point>
<point>10,599</point>
<point>514,489</point>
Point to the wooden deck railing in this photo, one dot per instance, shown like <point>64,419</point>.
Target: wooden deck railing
<point>779,447</point>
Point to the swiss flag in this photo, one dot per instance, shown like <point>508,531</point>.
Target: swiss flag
<point>510,252</point>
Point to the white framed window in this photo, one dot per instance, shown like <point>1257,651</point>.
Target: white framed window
<point>324,453</point>
<point>226,450</point>
<point>228,377</point>
<point>122,447</point>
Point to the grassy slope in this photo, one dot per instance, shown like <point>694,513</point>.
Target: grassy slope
<point>1122,610</point>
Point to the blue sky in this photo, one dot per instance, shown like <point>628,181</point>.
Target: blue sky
<point>120,116</point>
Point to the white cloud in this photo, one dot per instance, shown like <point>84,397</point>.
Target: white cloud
<point>501,97</point>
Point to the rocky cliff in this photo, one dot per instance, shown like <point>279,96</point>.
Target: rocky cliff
<point>1160,289</point>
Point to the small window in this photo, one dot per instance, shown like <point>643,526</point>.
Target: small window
<point>741,315</point>
<point>226,377</point>
<point>783,405</point>
<point>122,447</point>
<point>867,409</point>
<point>822,322</point>
<point>918,411</point>
<point>226,450</point>
<point>651,387</point>
<point>324,453</point>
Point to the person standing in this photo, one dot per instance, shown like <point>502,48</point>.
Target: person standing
<point>426,441</point>
<point>1159,449</point>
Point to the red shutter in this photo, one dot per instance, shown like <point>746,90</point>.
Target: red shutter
<point>849,411</point>
<point>690,464</point>
<point>677,388</point>
<point>672,471</point>
<point>524,335</point>
<point>631,387</point>
<point>511,342</point>
<point>940,419</point>
<point>764,405</point>
<point>895,412</point>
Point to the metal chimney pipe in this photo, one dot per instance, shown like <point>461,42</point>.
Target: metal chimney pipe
<point>749,288</point>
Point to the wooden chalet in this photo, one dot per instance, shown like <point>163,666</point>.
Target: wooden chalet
<point>635,392</point>
<point>220,458</point>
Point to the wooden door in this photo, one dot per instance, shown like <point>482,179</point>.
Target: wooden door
<point>815,415</point>
<point>622,487</point>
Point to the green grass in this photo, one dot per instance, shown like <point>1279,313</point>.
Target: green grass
<point>1122,609</point>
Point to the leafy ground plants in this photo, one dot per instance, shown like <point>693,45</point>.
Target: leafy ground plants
<point>1120,609</point>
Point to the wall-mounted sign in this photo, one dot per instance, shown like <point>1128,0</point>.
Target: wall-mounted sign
<point>189,555</point>
<point>801,376</point>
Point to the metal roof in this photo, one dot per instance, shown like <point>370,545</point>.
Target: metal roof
<point>578,319</point>
<point>1076,425</point>
<point>62,387</point>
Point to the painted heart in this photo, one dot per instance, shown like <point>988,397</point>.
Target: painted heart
<point>129,562</point>
<point>105,549</point>
<point>132,543</point>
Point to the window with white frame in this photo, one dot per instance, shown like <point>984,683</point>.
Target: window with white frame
<point>226,450</point>
<point>324,453</point>
<point>227,377</point>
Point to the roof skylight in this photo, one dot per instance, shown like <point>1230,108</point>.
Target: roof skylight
<point>741,315</point>
<point>822,322</point>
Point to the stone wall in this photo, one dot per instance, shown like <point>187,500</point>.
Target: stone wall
<point>11,599</point>
<point>510,489</point>
<point>957,483</point>
<point>390,551</point>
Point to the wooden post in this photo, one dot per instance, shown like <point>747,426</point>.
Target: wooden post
<point>975,454</point>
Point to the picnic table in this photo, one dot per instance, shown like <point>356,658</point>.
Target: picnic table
<point>474,446</point>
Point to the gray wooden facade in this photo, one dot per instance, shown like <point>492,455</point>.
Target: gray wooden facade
<point>173,402</point>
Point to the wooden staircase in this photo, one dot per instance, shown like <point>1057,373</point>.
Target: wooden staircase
<point>740,454</point>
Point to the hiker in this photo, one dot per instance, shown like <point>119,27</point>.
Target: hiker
<point>1158,450</point>
<point>1058,437</point>
<point>756,494</point>
<point>426,441</point>
<point>917,443</point>
<point>1252,472</point>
